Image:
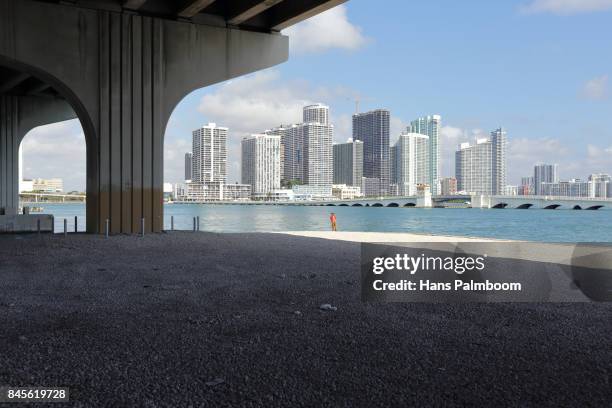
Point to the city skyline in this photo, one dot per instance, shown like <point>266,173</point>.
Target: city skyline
<point>554,115</point>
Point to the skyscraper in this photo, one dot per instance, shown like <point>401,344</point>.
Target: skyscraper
<point>308,155</point>
<point>348,163</point>
<point>317,113</point>
<point>209,161</point>
<point>410,163</point>
<point>430,126</point>
<point>544,173</point>
<point>188,165</point>
<point>280,131</point>
<point>481,168</point>
<point>261,163</point>
<point>372,128</point>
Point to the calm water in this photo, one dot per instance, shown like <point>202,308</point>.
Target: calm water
<point>535,225</point>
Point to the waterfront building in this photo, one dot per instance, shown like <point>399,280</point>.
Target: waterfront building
<point>217,191</point>
<point>179,191</point>
<point>346,192</point>
<point>600,186</point>
<point>348,163</point>
<point>410,165</point>
<point>209,154</point>
<point>308,153</point>
<point>544,173</point>
<point>448,186</point>
<point>526,187</point>
<point>261,164</point>
<point>430,126</point>
<point>188,166</point>
<point>370,187</point>
<point>280,131</point>
<point>372,128</point>
<point>511,190</point>
<point>317,113</point>
<point>571,188</point>
<point>53,185</point>
<point>312,192</point>
<point>481,168</point>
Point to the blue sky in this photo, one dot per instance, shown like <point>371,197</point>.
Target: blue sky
<point>539,68</point>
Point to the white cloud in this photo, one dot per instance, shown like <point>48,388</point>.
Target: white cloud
<point>596,89</point>
<point>566,7</point>
<point>330,29</point>
<point>56,150</point>
<point>252,104</point>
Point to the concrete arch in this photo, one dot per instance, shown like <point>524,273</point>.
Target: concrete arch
<point>577,207</point>
<point>595,207</point>
<point>410,205</point>
<point>393,205</point>
<point>552,206</point>
<point>357,205</point>
<point>500,205</point>
<point>343,205</point>
<point>525,206</point>
<point>377,205</point>
<point>123,74</point>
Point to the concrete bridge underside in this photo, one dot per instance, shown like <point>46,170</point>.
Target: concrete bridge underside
<point>121,67</point>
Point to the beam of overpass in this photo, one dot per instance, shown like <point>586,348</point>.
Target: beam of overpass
<point>242,12</point>
<point>193,7</point>
<point>134,4</point>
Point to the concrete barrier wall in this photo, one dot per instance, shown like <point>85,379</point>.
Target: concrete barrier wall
<point>26,223</point>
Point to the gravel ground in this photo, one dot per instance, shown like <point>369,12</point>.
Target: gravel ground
<point>187,319</point>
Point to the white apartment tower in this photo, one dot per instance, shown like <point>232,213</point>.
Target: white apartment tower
<point>209,154</point>
<point>308,154</point>
<point>410,163</point>
<point>481,168</point>
<point>261,164</point>
<point>430,126</point>
<point>281,132</point>
<point>317,113</point>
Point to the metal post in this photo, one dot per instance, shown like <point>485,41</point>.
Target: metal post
<point>107,227</point>
<point>38,226</point>
<point>142,227</point>
<point>76,227</point>
<point>198,223</point>
<point>65,227</point>
<point>172,223</point>
<point>194,224</point>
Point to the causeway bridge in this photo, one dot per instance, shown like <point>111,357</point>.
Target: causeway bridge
<point>452,201</point>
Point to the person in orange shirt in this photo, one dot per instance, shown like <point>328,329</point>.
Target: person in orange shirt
<point>332,219</point>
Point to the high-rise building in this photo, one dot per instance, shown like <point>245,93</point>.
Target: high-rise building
<point>209,150</point>
<point>430,126</point>
<point>188,166</point>
<point>317,113</point>
<point>261,164</point>
<point>410,166</point>
<point>544,173</point>
<point>571,188</point>
<point>526,187</point>
<point>372,128</point>
<point>481,168</point>
<point>348,163</point>
<point>448,186</point>
<point>498,156</point>
<point>308,154</point>
<point>280,131</point>
<point>600,185</point>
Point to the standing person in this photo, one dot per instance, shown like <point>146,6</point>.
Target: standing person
<point>332,219</point>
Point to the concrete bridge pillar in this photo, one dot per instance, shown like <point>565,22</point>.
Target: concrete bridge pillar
<point>122,74</point>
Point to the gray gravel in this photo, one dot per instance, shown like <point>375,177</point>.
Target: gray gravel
<point>188,319</point>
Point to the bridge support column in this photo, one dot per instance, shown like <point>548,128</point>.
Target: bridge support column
<point>9,156</point>
<point>123,74</point>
